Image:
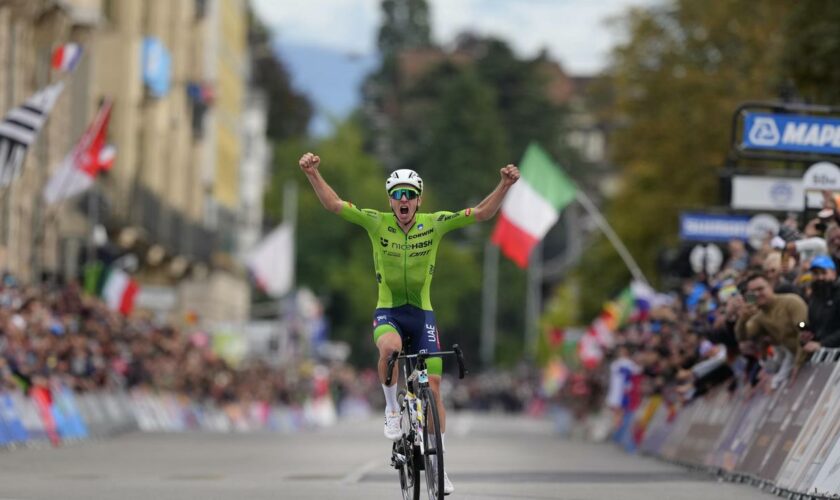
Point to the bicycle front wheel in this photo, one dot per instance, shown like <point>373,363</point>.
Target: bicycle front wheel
<point>432,446</point>
<point>408,469</point>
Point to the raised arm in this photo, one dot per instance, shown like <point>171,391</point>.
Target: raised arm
<point>490,205</point>
<point>309,164</point>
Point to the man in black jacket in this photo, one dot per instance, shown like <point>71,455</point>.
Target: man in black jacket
<point>823,307</point>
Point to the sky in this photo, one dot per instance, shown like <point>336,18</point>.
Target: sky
<point>575,33</point>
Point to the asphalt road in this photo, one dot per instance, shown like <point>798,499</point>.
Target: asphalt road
<point>487,458</point>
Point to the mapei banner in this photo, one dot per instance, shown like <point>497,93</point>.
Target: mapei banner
<point>791,133</point>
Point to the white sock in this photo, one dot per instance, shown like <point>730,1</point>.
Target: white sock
<point>390,398</point>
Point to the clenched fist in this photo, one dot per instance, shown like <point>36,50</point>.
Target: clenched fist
<point>309,162</point>
<point>510,174</point>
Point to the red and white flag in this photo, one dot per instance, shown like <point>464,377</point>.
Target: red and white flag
<point>119,291</point>
<point>65,57</point>
<point>79,169</point>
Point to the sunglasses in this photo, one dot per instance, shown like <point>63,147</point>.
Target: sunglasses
<point>409,194</point>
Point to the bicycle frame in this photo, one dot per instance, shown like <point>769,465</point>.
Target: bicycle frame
<point>410,453</point>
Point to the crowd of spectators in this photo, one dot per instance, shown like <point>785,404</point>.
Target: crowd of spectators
<point>751,323</point>
<point>54,334</point>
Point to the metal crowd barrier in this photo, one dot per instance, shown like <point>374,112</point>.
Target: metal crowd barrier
<point>786,442</point>
<point>62,416</point>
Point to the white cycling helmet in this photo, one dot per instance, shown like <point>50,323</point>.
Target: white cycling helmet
<point>404,177</point>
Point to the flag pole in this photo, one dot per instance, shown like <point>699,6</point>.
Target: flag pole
<point>489,300</point>
<point>533,301</point>
<point>611,235</point>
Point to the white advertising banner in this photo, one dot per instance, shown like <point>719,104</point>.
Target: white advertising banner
<point>750,192</point>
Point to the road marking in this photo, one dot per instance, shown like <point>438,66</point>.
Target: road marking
<point>357,474</point>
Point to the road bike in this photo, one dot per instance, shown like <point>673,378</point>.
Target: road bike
<point>421,446</point>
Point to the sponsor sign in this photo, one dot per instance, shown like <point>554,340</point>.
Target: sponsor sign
<point>751,192</point>
<point>708,227</point>
<point>791,133</point>
<point>822,176</point>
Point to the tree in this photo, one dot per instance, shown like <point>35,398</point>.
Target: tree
<point>453,134</point>
<point>684,69</point>
<point>812,51</point>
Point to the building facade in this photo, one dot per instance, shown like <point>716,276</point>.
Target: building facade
<point>177,75</point>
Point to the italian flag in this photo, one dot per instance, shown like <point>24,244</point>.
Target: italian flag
<point>532,206</point>
<point>119,291</point>
<point>116,287</point>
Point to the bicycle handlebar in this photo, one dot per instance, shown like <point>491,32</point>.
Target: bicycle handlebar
<point>456,351</point>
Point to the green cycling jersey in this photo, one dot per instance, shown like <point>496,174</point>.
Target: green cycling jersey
<point>405,262</point>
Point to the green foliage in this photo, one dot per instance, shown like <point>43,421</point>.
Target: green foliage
<point>456,137</point>
<point>676,81</point>
<point>334,257</point>
<point>812,50</point>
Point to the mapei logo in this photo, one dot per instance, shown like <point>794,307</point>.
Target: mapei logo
<point>383,242</point>
<point>764,132</point>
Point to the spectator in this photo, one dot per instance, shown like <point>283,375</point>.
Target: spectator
<point>833,239</point>
<point>771,319</point>
<point>738,257</point>
<point>772,268</point>
<point>823,329</point>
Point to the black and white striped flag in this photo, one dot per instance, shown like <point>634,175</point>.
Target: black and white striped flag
<point>20,128</point>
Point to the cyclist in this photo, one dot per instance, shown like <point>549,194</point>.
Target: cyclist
<point>405,244</point>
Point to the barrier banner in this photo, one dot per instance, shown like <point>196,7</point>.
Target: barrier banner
<point>659,429</point>
<point>710,419</point>
<point>681,427</point>
<point>785,421</point>
<point>815,441</point>
<point>735,427</point>
<point>17,432</point>
<point>827,480</point>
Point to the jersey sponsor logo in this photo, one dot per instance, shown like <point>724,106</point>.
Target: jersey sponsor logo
<point>444,217</point>
<point>420,235</point>
<point>420,227</point>
<point>393,254</point>
<point>371,213</point>
<point>413,246</point>
<point>420,254</point>
<point>381,318</point>
<point>392,230</point>
<point>431,333</point>
<point>383,242</point>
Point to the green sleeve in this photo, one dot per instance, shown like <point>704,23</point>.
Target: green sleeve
<point>368,219</point>
<point>447,221</point>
